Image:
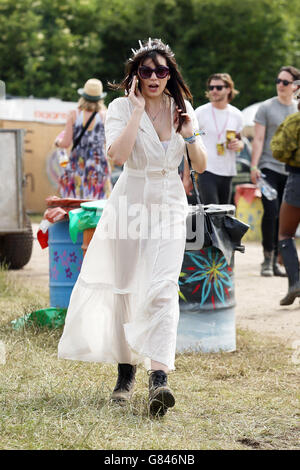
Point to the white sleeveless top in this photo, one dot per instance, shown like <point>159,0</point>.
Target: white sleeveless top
<point>165,144</point>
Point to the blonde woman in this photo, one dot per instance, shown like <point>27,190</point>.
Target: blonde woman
<point>87,174</point>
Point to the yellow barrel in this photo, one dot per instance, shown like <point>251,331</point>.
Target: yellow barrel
<point>249,209</point>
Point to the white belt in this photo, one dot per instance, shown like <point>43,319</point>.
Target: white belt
<point>165,172</point>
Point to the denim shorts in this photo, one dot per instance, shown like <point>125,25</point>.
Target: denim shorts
<point>291,193</point>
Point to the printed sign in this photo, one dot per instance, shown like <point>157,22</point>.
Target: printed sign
<point>53,111</point>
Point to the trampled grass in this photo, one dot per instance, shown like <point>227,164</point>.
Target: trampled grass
<point>241,400</point>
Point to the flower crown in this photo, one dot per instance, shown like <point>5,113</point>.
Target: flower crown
<point>152,46</point>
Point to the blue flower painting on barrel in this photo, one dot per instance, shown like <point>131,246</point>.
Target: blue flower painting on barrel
<point>206,279</point>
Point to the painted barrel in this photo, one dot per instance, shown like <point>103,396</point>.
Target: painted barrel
<point>87,236</point>
<point>65,259</point>
<point>207,314</point>
<point>93,211</point>
<point>207,302</point>
<point>249,209</point>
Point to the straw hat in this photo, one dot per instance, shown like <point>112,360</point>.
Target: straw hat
<point>93,90</point>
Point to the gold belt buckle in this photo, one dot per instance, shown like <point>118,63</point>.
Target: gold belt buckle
<point>164,172</point>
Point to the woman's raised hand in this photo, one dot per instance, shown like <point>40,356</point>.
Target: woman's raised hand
<point>187,126</point>
<point>135,95</point>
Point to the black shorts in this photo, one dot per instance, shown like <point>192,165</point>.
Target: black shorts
<point>291,193</point>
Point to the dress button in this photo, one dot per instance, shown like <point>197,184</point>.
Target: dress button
<point>163,172</point>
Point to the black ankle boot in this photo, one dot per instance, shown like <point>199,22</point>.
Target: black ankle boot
<point>267,264</point>
<point>160,395</point>
<point>125,383</point>
<point>290,259</point>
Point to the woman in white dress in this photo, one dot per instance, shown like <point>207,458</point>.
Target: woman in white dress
<point>124,307</point>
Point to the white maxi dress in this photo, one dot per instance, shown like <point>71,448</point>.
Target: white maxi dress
<point>124,307</point>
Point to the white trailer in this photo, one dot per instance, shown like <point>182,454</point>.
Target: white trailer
<point>15,227</point>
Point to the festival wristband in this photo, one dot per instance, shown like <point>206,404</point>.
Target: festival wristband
<point>192,138</point>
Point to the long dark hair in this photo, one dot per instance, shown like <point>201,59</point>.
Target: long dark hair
<point>176,86</point>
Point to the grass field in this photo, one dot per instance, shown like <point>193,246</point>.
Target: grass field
<point>242,400</point>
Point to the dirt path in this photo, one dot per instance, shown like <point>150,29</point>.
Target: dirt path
<point>257,298</point>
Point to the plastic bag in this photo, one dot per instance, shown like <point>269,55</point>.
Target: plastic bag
<point>224,230</point>
<point>51,317</point>
<point>86,217</point>
<point>42,233</point>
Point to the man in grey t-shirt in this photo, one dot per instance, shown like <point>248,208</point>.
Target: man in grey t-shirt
<point>269,116</point>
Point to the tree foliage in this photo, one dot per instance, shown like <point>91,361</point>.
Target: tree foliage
<point>51,47</point>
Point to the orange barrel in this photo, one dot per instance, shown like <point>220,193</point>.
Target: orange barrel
<point>87,236</point>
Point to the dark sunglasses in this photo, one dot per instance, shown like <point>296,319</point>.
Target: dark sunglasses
<point>284,82</point>
<point>146,72</point>
<point>218,87</point>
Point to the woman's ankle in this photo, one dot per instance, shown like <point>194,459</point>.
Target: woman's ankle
<point>159,366</point>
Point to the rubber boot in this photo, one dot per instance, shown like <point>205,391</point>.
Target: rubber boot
<point>267,264</point>
<point>160,395</point>
<point>290,259</point>
<point>125,383</point>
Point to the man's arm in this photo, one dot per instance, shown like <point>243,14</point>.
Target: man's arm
<point>257,147</point>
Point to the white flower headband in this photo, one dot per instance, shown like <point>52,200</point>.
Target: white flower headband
<point>151,47</point>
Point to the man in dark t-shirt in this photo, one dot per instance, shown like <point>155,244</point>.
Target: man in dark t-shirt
<point>269,116</point>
